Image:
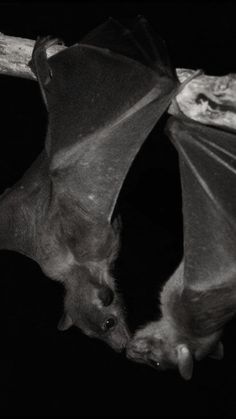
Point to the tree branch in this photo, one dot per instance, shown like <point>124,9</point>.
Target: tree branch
<point>207,99</point>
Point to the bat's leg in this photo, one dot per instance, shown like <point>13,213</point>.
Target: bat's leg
<point>39,63</point>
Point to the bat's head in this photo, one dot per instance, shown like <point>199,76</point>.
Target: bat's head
<point>94,306</point>
<point>156,346</point>
<point>161,346</point>
<point>92,302</point>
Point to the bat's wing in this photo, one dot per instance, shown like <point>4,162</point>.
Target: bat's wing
<point>207,159</point>
<point>137,41</point>
<point>104,96</point>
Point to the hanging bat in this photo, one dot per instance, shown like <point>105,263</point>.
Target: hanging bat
<point>103,97</point>
<point>200,297</point>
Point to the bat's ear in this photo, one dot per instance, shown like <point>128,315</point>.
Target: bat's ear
<point>185,362</point>
<point>65,322</point>
<point>218,352</point>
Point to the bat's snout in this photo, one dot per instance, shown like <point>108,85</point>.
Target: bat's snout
<point>134,353</point>
<point>119,339</point>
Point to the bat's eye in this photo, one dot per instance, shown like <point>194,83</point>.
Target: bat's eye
<point>155,364</point>
<point>109,324</point>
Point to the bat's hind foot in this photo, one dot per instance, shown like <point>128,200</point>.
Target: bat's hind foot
<point>39,62</point>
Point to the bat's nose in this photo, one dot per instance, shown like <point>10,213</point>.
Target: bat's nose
<point>120,339</point>
<point>121,349</point>
<point>122,344</point>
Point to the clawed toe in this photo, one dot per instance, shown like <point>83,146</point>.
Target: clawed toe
<point>39,51</point>
<point>46,42</point>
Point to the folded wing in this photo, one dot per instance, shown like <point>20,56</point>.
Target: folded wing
<point>207,159</point>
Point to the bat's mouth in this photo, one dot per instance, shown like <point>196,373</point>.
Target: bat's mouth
<point>121,350</point>
<point>119,347</point>
<point>135,357</point>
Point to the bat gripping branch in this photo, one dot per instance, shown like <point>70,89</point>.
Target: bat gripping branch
<point>190,78</point>
<point>174,104</point>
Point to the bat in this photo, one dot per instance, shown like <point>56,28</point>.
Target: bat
<point>103,97</point>
<point>200,297</point>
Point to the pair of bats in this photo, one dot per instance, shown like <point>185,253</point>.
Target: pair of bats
<point>104,95</point>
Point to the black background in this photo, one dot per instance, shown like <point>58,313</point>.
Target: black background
<point>46,372</point>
